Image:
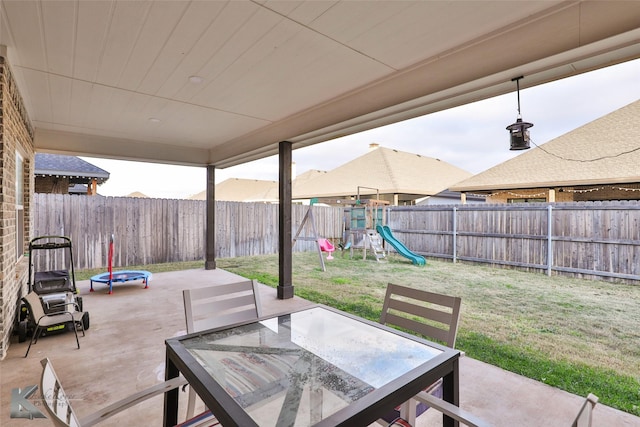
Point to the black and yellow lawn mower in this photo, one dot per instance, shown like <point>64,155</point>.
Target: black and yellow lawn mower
<point>56,288</point>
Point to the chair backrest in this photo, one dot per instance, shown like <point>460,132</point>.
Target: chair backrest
<point>35,306</point>
<point>432,315</point>
<point>583,419</point>
<point>221,305</point>
<point>54,399</point>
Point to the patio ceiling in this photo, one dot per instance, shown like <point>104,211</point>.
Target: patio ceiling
<point>111,78</point>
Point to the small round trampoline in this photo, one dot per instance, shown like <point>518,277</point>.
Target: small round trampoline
<point>121,277</point>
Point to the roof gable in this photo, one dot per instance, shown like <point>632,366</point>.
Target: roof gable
<point>387,170</point>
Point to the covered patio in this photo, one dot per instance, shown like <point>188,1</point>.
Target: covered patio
<point>123,352</point>
<point>215,84</point>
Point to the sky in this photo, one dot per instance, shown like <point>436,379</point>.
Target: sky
<point>472,137</point>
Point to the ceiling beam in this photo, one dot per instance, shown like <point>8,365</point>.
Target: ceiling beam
<point>51,141</point>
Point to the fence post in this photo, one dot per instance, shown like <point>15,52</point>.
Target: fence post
<point>549,239</point>
<point>454,226</point>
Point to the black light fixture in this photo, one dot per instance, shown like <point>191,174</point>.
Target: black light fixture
<point>518,130</point>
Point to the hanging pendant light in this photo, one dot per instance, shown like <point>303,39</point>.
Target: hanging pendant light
<point>518,130</point>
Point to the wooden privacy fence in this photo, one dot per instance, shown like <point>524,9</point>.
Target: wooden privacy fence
<point>587,238</point>
<point>151,231</point>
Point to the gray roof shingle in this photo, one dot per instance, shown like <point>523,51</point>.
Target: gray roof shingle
<point>60,165</point>
<point>388,170</point>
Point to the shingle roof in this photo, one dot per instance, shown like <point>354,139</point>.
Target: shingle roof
<point>60,165</point>
<point>604,151</point>
<point>137,194</point>
<point>243,190</point>
<point>390,171</point>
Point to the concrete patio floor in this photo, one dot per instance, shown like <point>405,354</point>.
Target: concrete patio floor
<point>123,352</point>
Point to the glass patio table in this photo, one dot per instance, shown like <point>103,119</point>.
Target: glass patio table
<point>313,367</point>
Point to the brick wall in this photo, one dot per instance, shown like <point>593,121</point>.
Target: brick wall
<point>16,136</point>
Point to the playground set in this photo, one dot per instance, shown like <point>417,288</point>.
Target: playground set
<point>364,227</point>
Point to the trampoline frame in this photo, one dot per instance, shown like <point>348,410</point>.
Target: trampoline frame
<point>121,277</point>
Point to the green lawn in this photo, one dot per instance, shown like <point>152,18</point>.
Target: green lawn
<point>578,335</point>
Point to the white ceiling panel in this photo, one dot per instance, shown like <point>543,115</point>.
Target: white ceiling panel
<point>38,84</point>
<point>183,49</point>
<point>301,71</point>
<point>156,31</point>
<point>60,90</point>
<point>304,12</point>
<point>91,30</point>
<point>212,52</point>
<point>59,22</point>
<point>80,97</point>
<point>124,28</point>
<point>23,21</point>
<point>292,66</point>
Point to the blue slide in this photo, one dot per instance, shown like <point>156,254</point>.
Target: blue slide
<point>386,234</point>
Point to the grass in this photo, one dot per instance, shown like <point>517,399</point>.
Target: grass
<point>578,335</point>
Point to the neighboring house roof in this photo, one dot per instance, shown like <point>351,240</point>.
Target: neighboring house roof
<point>78,170</point>
<point>137,194</point>
<point>78,189</point>
<point>390,171</point>
<point>307,176</point>
<point>604,151</point>
<point>447,196</point>
<point>243,190</point>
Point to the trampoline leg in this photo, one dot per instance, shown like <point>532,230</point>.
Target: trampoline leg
<point>110,287</point>
<point>91,282</point>
<point>146,285</point>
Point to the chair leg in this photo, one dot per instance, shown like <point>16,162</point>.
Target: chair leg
<point>75,331</point>
<point>191,403</point>
<point>35,332</point>
<point>81,326</point>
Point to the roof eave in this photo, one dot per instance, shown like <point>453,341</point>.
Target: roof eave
<point>548,184</point>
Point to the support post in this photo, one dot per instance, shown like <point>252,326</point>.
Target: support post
<point>92,188</point>
<point>549,239</point>
<point>210,231</point>
<point>454,227</point>
<point>285,284</point>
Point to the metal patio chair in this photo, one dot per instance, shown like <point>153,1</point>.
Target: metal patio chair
<point>42,321</point>
<point>583,418</point>
<point>217,306</point>
<point>56,402</point>
<point>585,415</point>
<point>434,316</point>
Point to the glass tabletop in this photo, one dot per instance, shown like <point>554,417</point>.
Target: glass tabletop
<point>297,369</point>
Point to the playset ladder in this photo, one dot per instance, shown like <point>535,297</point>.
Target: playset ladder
<point>375,242</point>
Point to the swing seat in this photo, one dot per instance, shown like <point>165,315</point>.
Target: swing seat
<point>326,246</point>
